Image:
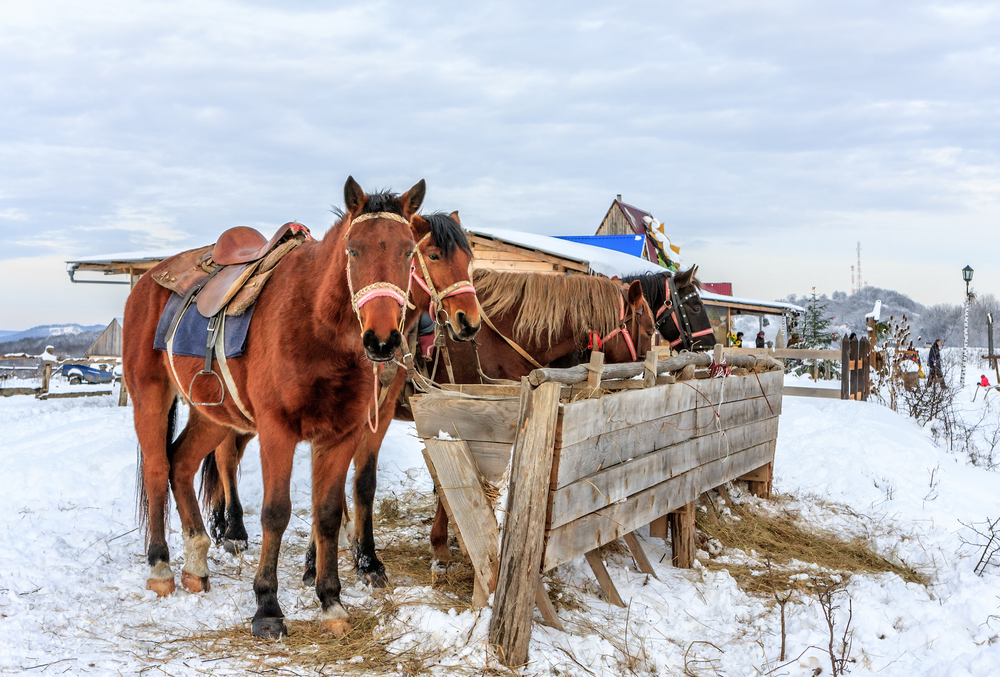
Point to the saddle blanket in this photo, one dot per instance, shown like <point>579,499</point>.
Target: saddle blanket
<point>192,332</point>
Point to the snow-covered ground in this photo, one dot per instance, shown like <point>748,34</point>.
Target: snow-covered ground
<point>72,565</point>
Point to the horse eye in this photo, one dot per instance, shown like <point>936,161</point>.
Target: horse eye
<point>696,307</point>
<point>434,257</point>
<point>353,254</point>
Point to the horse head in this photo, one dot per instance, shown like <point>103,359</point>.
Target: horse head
<point>633,337</point>
<point>681,317</point>
<point>441,281</point>
<point>379,246</point>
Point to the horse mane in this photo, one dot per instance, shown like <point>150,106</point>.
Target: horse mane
<point>382,201</point>
<point>447,234</point>
<point>548,302</point>
<point>654,287</point>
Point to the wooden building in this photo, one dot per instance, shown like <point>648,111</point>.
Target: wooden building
<point>109,343</point>
<point>625,219</point>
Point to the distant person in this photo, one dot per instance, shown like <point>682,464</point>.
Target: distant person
<point>739,340</point>
<point>760,339</point>
<point>935,374</point>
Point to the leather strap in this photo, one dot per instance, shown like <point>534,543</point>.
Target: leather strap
<point>519,349</point>
<point>220,350</point>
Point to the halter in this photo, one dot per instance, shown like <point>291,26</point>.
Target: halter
<point>373,291</point>
<point>425,282</point>
<point>675,304</point>
<point>595,338</point>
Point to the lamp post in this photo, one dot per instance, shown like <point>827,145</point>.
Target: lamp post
<point>967,276</point>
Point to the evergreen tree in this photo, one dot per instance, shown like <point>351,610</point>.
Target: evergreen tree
<point>816,335</point>
<point>816,325</point>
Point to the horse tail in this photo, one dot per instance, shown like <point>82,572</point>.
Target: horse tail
<point>141,498</point>
<point>210,481</point>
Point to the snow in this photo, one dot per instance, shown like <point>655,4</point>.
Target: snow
<point>72,565</point>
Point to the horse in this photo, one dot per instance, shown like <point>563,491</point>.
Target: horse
<point>308,373</point>
<point>681,316</point>
<point>440,286</point>
<point>534,319</point>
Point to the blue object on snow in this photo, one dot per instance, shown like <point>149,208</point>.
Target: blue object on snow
<point>626,244</point>
<point>87,374</point>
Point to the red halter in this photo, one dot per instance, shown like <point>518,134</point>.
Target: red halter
<point>595,338</point>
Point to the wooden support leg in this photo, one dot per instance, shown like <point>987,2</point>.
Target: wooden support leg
<point>611,595</point>
<point>682,536</point>
<point>639,554</point>
<point>545,606</point>
<point>658,528</point>
<point>123,394</point>
<point>759,480</point>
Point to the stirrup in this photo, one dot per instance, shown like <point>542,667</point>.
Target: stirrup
<point>221,387</point>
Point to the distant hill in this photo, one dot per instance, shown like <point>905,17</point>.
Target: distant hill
<point>70,340</point>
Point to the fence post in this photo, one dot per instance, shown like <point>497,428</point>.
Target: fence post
<point>845,375</point>
<point>865,349</point>
<point>46,377</point>
<point>855,370</point>
<point>524,527</point>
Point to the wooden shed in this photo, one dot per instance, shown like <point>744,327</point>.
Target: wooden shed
<point>109,343</point>
<point>625,219</point>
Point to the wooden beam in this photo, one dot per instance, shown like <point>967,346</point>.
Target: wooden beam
<point>611,595</point>
<point>632,540</point>
<point>524,528</point>
<point>682,536</point>
<point>800,391</point>
<point>544,605</point>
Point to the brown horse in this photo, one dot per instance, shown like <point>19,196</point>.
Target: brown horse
<point>307,374</point>
<point>439,284</point>
<point>680,315</point>
<point>550,318</point>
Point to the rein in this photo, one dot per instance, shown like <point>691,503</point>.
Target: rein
<point>596,340</point>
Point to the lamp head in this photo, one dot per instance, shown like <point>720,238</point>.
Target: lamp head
<point>967,273</point>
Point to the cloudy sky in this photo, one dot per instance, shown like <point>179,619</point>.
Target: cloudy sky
<point>770,137</point>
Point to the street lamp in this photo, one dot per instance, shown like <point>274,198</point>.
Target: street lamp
<point>967,276</point>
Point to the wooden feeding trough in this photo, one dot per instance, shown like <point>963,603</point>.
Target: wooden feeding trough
<point>594,453</point>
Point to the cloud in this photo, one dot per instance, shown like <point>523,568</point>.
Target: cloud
<point>161,124</point>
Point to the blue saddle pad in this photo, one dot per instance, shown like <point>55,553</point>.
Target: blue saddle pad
<point>192,332</point>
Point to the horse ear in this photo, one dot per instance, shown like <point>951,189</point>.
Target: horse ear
<point>411,200</point>
<point>454,217</point>
<point>420,226</point>
<point>634,294</point>
<point>685,278</point>
<point>615,279</point>
<point>354,197</point>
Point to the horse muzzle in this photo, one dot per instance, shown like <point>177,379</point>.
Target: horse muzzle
<point>461,329</point>
<point>381,350</point>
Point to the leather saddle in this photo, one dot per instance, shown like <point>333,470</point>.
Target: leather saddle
<point>246,258</point>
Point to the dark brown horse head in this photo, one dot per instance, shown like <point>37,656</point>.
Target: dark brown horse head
<point>379,247</point>
<point>678,311</point>
<point>441,279</point>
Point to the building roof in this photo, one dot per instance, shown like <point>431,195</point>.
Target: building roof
<point>626,244</point>
<point>635,217</point>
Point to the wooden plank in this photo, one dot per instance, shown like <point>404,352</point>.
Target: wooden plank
<point>733,350</point>
<point>491,458</point>
<point>524,527</point>
<point>798,391</point>
<point>483,245</point>
<point>639,554</point>
<point>544,605</point>
<point>612,485</point>
<point>658,527</point>
<point>806,354</point>
<point>590,418</point>
<point>596,367</point>
<point>611,595</point>
<point>591,531</point>
<point>845,376</point>
<point>461,485</point>
<point>515,266</point>
<point>512,392</point>
<point>759,480</point>
<point>481,420</point>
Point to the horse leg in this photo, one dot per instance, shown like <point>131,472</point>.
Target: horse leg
<point>439,541</point>
<point>154,412</point>
<point>235,539</point>
<point>366,562</point>
<point>277,449</point>
<point>344,543</point>
<point>330,465</point>
<point>199,437</point>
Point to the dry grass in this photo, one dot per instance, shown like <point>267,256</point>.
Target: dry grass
<point>791,547</point>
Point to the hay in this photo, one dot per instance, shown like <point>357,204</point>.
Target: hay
<point>793,549</point>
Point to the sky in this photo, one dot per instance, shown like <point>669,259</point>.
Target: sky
<point>769,137</point>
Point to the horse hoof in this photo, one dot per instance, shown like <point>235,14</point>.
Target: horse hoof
<point>193,583</point>
<point>234,547</point>
<point>309,579</point>
<point>268,628</point>
<point>376,579</point>
<point>338,627</point>
<point>439,566</point>
<point>163,587</point>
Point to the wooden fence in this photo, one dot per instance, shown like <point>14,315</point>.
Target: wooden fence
<point>591,463</point>
<point>48,366</point>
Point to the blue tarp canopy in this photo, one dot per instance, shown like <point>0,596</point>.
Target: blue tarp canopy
<point>627,244</point>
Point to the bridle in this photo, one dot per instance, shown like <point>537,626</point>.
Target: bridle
<point>596,341</point>
<point>378,289</point>
<point>425,282</point>
<point>675,304</point>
